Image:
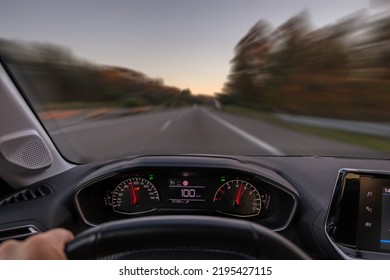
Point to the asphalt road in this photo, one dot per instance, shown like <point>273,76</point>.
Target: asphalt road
<point>195,130</point>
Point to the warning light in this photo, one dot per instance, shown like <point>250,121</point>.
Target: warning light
<point>223,179</point>
<point>185,183</point>
<point>151,177</point>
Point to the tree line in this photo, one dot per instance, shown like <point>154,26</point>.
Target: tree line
<point>340,70</point>
<point>58,77</point>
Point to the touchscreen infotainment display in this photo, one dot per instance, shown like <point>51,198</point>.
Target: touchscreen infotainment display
<point>358,221</point>
<point>385,218</point>
<point>373,227</point>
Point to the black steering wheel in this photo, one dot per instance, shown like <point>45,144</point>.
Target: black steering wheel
<point>181,237</point>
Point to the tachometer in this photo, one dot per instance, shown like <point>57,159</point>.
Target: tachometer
<point>238,198</point>
<point>134,196</point>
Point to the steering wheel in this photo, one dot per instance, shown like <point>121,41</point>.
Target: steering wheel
<point>181,237</point>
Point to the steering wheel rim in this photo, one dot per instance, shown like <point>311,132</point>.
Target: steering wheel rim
<point>181,237</point>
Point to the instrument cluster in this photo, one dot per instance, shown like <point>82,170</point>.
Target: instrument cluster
<point>200,191</point>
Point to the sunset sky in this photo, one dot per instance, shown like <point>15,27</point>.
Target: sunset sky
<point>187,43</point>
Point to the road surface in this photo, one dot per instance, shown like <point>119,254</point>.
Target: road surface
<point>193,130</point>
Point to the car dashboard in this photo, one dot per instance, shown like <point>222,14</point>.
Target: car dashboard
<point>128,190</point>
<point>311,201</point>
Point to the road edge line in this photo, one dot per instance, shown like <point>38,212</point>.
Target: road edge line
<point>268,147</point>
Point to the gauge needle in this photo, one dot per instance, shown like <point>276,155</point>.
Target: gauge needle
<point>238,196</point>
<point>133,194</point>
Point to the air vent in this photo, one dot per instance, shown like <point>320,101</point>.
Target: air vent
<point>27,194</point>
<point>20,232</point>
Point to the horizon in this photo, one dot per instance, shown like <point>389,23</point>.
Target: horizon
<point>194,54</point>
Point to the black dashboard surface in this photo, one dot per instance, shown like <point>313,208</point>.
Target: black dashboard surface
<point>309,181</point>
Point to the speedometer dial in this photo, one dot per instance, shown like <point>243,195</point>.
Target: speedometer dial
<point>134,196</point>
<point>238,198</point>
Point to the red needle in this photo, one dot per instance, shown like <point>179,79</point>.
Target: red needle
<point>133,194</point>
<point>238,196</point>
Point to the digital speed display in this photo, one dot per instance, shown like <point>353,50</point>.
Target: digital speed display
<point>186,191</point>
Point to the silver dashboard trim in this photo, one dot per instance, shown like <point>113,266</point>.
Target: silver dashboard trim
<point>30,230</point>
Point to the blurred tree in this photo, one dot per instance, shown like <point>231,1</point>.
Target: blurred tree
<point>247,76</point>
<point>381,41</point>
<point>56,75</point>
<point>331,71</point>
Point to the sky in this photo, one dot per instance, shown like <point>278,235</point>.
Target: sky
<point>188,44</point>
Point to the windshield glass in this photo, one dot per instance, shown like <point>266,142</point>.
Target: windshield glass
<point>284,77</point>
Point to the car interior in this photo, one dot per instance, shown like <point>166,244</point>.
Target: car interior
<point>247,197</point>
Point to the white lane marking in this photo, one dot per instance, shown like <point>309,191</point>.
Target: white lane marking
<point>264,145</point>
<point>165,125</point>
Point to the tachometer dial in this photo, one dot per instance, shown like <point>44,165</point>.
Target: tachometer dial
<point>238,198</point>
<point>135,195</point>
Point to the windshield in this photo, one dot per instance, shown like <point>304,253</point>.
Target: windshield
<point>115,79</point>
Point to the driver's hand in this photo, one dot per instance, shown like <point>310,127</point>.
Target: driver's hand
<point>42,246</point>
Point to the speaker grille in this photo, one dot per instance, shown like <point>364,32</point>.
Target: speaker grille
<point>27,151</point>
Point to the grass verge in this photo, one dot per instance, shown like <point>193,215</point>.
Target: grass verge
<point>373,142</point>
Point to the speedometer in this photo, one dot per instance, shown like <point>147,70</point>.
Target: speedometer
<point>135,195</point>
<point>238,198</point>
